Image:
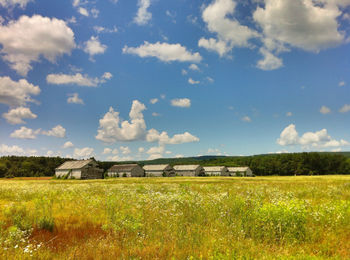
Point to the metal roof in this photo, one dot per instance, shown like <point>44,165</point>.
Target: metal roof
<point>155,167</point>
<point>70,165</point>
<point>123,167</point>
<point>214,168</point>
<point>237,169</point>
<point>186,167</point>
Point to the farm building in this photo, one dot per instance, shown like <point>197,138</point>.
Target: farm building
<point>189,170</point>
<point>83,169</point>
<point>125,170</point>
<point>240,171</point>
<point>159,170</point>
<point>215,171</point>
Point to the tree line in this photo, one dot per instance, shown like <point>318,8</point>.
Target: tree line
<point>269,164</point>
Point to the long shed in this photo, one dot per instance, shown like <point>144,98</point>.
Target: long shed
<point>125,170</point>
<point>215,171</point>
<point>82,169</point>
<point>240,171</point>
<point>159,170</point>
<point>189,170</point>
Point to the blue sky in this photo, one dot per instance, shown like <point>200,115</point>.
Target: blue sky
<point>143,79</point>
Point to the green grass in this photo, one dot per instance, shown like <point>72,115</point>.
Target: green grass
<point>179,218</point>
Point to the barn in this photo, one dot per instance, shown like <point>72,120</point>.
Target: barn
<point>159,170</point>
<point>125,170</point>
<point>215,171</point>
<point>240,171</point>
<point>189,170</point>
<point>82,169</point>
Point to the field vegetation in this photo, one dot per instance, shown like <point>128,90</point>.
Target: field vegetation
<point>176,218</point>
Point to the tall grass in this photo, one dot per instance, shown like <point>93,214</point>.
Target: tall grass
<point>180,218</point>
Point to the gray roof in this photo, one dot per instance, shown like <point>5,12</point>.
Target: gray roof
<point>70,165</point>
<point>123,167</point>
<point>237,169</point>
<point>186,167</point>
<point>155,167</point>
<point>214,168</point>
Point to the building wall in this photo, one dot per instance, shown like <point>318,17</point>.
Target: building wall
<point>185,173</point>
<point>72,173</point>
<point>211,173</point>
<point>119,174</point>
<point>137,172</point>
<point>154,173</point>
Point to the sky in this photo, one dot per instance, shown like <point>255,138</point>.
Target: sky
<point>144,79</point>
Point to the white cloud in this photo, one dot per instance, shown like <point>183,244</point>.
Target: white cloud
<point>125,150</point>
<point>214,151</point>
<point>164,51</point>
<point>345,108</point>
<point>155,152</point>
<point>210,80</point>
<point>10,3</point>
<point>153,100</point>
<point>341,84</point>
<point>26,40</point>
<point>325,110</point>
<point>181,102</point>
<point>219,17</point>
<point>77,79</point>
<point>179,156</point>
<point>85,152</point>
<point>16,93</point>
<point>141,149</point>
<point>184,72</point>
<point>162,96</point>
<point>194,67</point>
<point>303,24</point>
<point>193,82</point>
<point>83,11</point>
<point>68,144</point>
<point>168,152</point>
<point>269,61</point>
<point>11,150</point>
<point>156,114</point>
<point>318,139</point>
<point>101,29</point>
<point>75,99</point>
<point>246,119</point>
<point>143,16</point>
<point>289,114</point>
<point>107,150</point>
<point>95,12</point>
<point>16,115</point>
<point>93,46</point>
<point>112,130</point>
<point>163,138</point>
<point>25,133</point>
<point>57,131</point>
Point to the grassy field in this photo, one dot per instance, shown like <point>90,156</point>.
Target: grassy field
<point>176,218</point>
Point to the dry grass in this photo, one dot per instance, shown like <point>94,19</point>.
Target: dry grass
<point>180,218</point>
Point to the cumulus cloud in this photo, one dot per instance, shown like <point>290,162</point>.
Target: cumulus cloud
<point>325,110</point>
<point>153,100</point>
<point>12,3</point>
<point>25,133</point>
<point>193,82</point>
<point>57,131</point>
<point>101,29</point>
<point>303,24</point>
<point>164,52</point>
<point>85,152</point>
<point>341,84</point>
<point>11,150</point>
<point>246,119</point>
<point>269,61</point>
<point>93,47</point>
<point>345,108</point>
<point>16,115</point>
<point>83,11</point>
<point>77,79</point>
<point>194,67</point>
<point>107,150</point>
<point>318,139</point>
<point>143,15</point>
<point>16,93</point>
<point>155,152</point>
<point>220,19</point>
<point>68,144</point>
<point>26,40</point>
<point>141,149</point>
<point>125,150</point>
<point>163,138</point>
<point>111,129</point>
<point>75,99</point>
<point>181,102</point>
<point>289,114</point>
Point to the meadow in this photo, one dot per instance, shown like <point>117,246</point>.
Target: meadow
<point>176,218</point>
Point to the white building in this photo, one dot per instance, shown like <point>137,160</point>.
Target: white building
<point>240,171</point>
<point>215,171</point>
<point>159,170</point>
<point>189,170</point>
<point>83,169</point>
